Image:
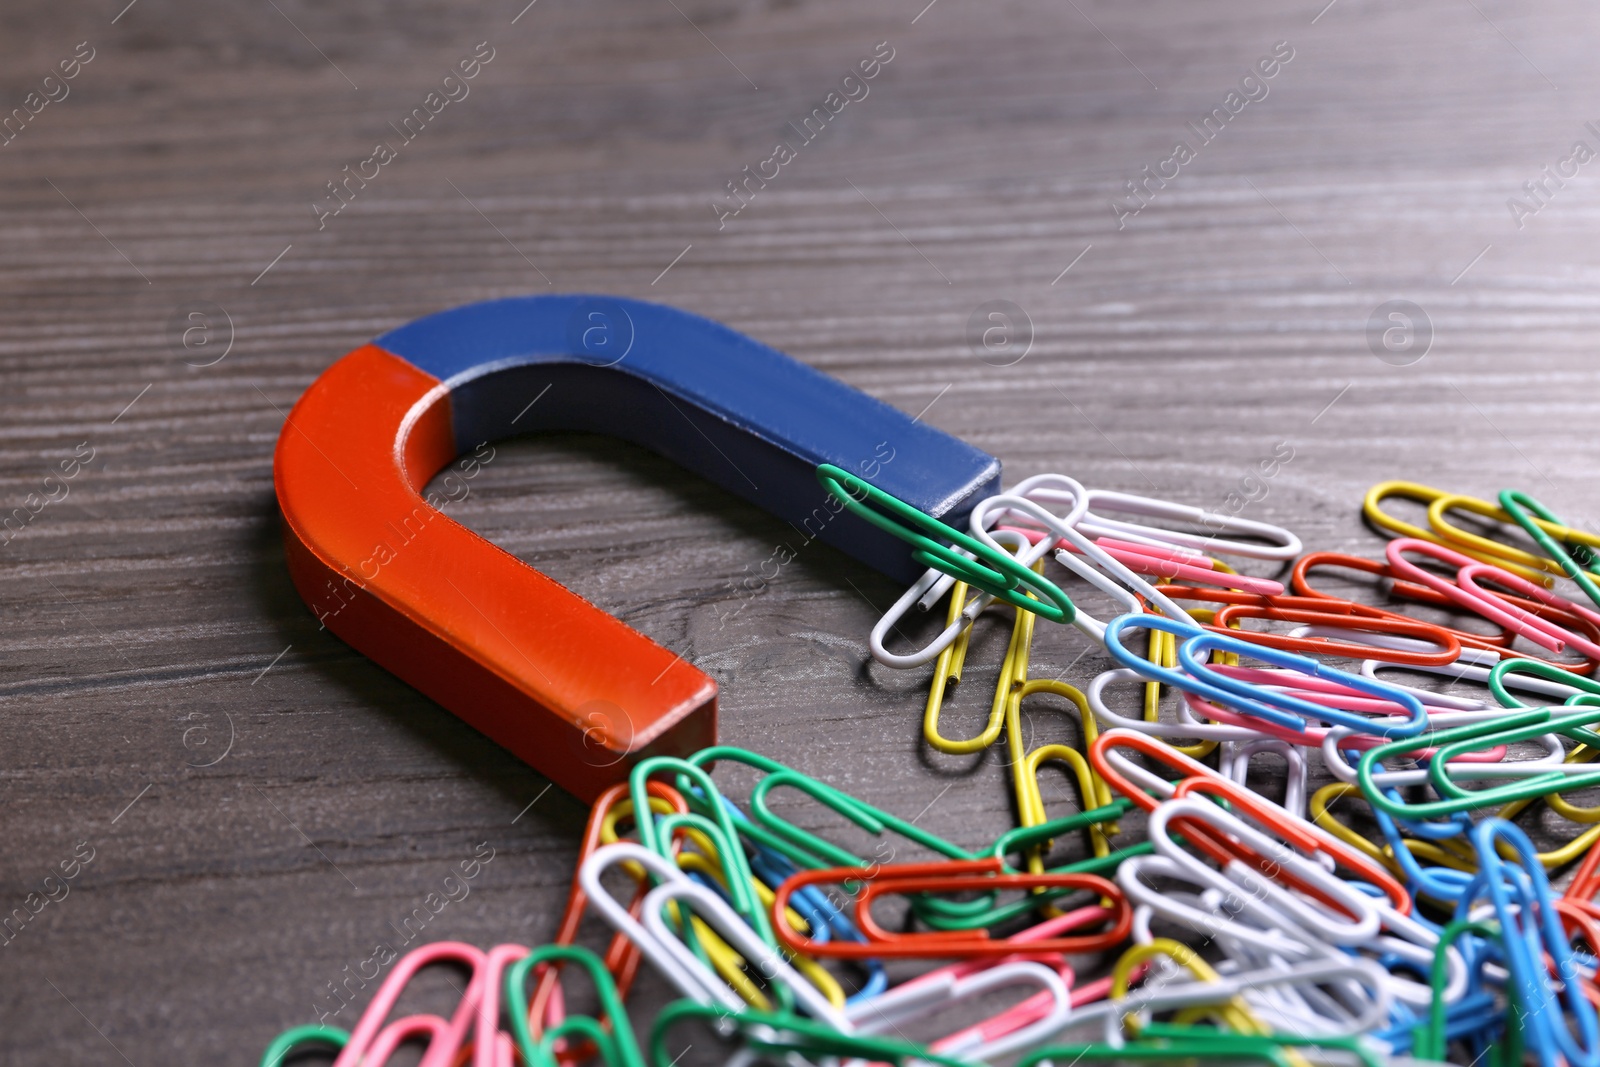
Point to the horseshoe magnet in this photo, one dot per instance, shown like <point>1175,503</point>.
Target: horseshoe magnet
<point>574,692</point>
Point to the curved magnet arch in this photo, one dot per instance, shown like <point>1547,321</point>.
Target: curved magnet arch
<point>569,689</point>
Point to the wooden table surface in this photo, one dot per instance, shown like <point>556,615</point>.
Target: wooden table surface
<point>262,805</point>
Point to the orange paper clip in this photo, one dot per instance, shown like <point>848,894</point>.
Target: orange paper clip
<point>946,877</point>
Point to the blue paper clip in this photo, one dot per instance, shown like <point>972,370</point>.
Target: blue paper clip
<point>1281,709</point>
<point>1531,928</point>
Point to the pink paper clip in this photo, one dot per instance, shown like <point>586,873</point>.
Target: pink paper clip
<point>444,1043</point>
<point>397,1033</point>
<point>1171,553</point>
<point>1166,562</point>
<point>485,1049</point>
<point>1467,578</point>
<point>1541,632</point>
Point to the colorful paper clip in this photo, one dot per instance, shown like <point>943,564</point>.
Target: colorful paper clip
<point>1418,921</point>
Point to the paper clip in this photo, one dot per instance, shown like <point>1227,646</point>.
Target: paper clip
<point>959,617</point>
<point>1466,762</point>
<point>1531,567</point>
<point>1233,1012</point>
<point>1021,593</point>
<point>681,968</point>
<point>1088,561</point>
<point>1162,650</point>
<point>1211,733</point>
<point>1428,645</point>
<point>770,865</point>
<point>1148,790</point>
<point>1281,544</point>
<point>822,852</point>
<point>1150,549</point>
<point>922,997</point>
<point>1349,921</point>
<point>1555,760</point>
<point>825,920</point>
<point>1523,906</point>
<point>956,623</point>
<point>718,824</point>
<point>1260,1005</point>
<point>961,875</point>
<point>492,1047</point>
<point>704,864</point>
<point>1468,578</point>
<point>1538,676</point>
<point>972,914</point>
<point>445,1040</point>
<point>613,1038</point>
<point>1224,992</point>
<point>1430,1039</point>
<point>779,1034</point>
<point>1493,607</point>
<point>1279,704</point>
<point>1516,509</point>
<point>1281,709</point>
<point>1028,1012</point>
<point>1297,832</point>
<point>1497,643</point>
<point>926,590</point>
<point>1362,623</point>
<point>622,957</point>
<point>806,849</point>
<point>947,672</point>
<point>732,929</point>
<point>705,869</point>
<point>1011,689</point>
<point>1319,813</point>
<point>1320,692</point>
<point>985,567</point>
<point>1235,763</point>
<point>621,920</point>
<point>1170,1044</point>
<point>1025,766</point>
<point>1519,506</point>
<point>1166,562</point>
<point>431,1030</point>
<point>1141,786</point>
<point>1507,729</point>
<point>1585,884</point>
<point>293,1040</point>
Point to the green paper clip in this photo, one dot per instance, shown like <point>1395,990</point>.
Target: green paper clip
<point>991,570</point>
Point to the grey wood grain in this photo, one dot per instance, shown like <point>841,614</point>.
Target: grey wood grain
<point>263,803</point>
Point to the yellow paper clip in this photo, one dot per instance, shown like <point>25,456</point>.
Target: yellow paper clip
<point>947,672</point>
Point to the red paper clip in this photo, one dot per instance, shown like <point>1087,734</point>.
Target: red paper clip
<point>1329,612</point>
<point>1497,643</point>
<point>949,876</point>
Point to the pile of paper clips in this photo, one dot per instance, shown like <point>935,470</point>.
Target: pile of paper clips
<point>1217,925</point>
